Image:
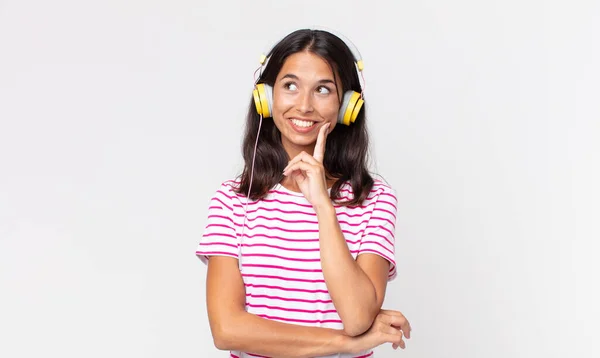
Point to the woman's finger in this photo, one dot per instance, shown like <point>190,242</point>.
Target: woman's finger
<point>397,319</point>
<point>319,152</point>
<point>308,168</point>
<point>298,176</point>
<point>302,157</point>
<point>394,336</point>
<point>404,326</point>
<point>392,313</point>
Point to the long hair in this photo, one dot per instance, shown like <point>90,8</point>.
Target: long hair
<point>347,147</point>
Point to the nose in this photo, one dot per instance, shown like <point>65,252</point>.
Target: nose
<point>305,104</point>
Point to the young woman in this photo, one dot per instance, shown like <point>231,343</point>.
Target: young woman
<point>300,246</point>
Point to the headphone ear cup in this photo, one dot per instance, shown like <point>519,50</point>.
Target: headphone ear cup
<point>351,105</point>
<point>257,104</point>
<point>263,99</point>
<point>357,109</point>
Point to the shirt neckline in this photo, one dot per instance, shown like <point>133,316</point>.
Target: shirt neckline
<point>280,187</point>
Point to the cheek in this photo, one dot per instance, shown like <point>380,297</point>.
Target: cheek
<point>329,108</point>
<point>281,102</point>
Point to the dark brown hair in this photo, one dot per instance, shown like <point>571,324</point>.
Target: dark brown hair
<point>347,147</point>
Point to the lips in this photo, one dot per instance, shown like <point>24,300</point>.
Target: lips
<point>302,122</point>
<point>302,125</point>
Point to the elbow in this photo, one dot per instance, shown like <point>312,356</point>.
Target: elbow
<point>358,325</point>
<point>224,335</point>
<point>220,344</point>
<point>354,331</point>
<point>221,339</point>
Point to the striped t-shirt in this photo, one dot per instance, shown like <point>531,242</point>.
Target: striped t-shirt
<point>280,262</point>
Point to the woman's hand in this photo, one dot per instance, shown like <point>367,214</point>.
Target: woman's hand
<point>309,173</point>
<point>389,327</point>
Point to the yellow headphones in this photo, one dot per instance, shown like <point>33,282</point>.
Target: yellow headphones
<point>352,101</point>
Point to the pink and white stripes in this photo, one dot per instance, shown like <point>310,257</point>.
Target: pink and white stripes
<point>280,249</point>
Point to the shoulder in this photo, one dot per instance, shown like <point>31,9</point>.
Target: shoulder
<point>230,185</point>
<point>227,191</point>
<point>382,187</point>
<point>379,187</point>
<point>383,195</point>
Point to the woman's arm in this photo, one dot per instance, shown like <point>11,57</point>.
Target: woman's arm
<point>357,287</point>
<point>235,329</point>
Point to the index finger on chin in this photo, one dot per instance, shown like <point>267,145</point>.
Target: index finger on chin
<point>319,152</point>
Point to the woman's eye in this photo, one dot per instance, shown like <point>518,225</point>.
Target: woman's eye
<point>291,86</point>
<point>323,90</point>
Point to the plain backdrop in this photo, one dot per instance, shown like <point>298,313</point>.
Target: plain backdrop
<point>119,119</point>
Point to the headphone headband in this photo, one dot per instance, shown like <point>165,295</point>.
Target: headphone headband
<point>351,46</point>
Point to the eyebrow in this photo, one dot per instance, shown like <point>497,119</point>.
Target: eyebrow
<point>294,77</point>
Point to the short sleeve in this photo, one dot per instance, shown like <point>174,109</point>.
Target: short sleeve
<point>379,235</point>
<point>219,237</point>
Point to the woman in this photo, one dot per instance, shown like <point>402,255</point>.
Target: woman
<point>299,269</point>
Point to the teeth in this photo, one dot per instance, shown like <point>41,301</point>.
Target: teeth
<point>300,123</point>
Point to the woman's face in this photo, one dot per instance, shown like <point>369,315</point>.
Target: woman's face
<point>304,99</point>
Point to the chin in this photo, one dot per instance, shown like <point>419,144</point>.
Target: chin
<point>303,136</point>
<point>299,140</point>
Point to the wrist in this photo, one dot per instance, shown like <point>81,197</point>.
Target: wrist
<point>345,344</point>
<point>324,208</point>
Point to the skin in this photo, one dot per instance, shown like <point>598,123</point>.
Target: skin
<point>305,89</point>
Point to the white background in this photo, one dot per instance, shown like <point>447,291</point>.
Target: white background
<point>119,119</point>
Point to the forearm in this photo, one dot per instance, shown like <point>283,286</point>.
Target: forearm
<point>351,290</point>
<point>246,332</point>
